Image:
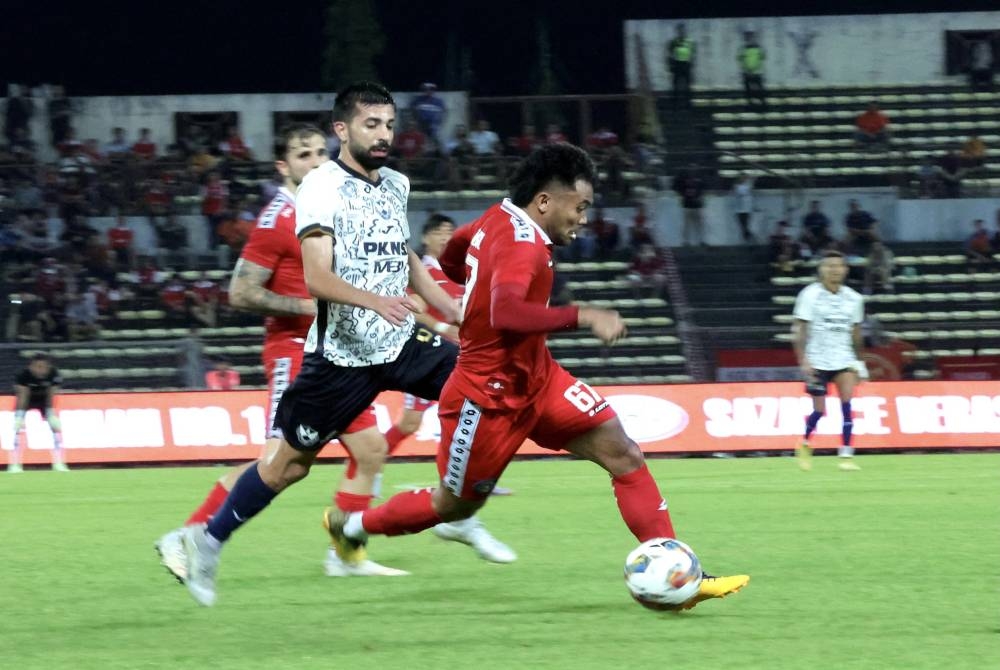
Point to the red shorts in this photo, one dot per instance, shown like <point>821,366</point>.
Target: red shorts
<point>416,404</point>
<point>477,444</point>
<point>282,362</point>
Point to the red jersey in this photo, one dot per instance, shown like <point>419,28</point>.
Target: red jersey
<point>144,149</point>
<point>205,289</point>
<point>120,237</point>
<point>174,295</point>
<point>274,245</point>
<point>502,369</point>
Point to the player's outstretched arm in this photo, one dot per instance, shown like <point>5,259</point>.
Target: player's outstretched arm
<point>427,288</point>
<point>324,284</point>
<point>247,292</point>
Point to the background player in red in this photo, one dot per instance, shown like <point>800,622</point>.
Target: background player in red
<point>268,280</point>
<point>506,386</point>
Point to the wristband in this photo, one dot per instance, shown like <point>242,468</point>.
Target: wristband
<point>441,327</point>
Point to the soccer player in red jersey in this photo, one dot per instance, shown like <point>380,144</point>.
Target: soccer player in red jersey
<point>506,386</point>
<point>268,280</point>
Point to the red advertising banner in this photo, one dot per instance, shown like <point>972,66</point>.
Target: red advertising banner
<point>218,426</point>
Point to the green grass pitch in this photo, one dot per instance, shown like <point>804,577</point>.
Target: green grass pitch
<point>895,566</point>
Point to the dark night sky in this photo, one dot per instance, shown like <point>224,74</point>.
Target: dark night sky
<point>221,46</point>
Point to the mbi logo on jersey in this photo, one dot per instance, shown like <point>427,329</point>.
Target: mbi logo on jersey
<point>385,256</point>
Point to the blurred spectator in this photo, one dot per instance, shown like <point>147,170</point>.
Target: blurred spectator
<point>816,229</point>
<point>978,247</point>
<point>951,173</point>
<point>120,239</point>
<point>50,280</point>
<point>203,299</point>
<point>36,243</point>
<point>27,195</point>
<point>222,376</point>
<point>92,150</point>
<point>148,279</point>
<point>601,139</point>
<point>214,205</point>
<point>234,147</point>
<point>60,111</point>
<point>461,159</point>
<point>783,250</point>
<point>21,147</point>
<point>743,201</point>
<point>485,141</point>
<point>872,127</point>
<point>691,188</point>
<point>81,317</point>
<point>996,236</point>
<point>640,232</point>
<point>861,232</point>
<point>118,147</point>
<point>680,63</point>
<point>981,65</point>
<point>616,163</point>
<point>429,110</point>
<point>973,152</point>
<point>606,234</point>
<point>171,234</point>
<point>554,134</point>
<point>878,270</point>
<point>202,161</point>
<point>648,272</point>
<point>410,142</point>
<point>17,115</point>
<point>751,59</point>
<point>526,142</point>
<point>174,297</point>
<point>928,179</point>
<point>144,147</point>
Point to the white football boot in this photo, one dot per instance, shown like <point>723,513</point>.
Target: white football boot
<point>472,532</point>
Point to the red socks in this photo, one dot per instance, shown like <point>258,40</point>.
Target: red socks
<point>212,503</point>
<point>404,513</point>
<point>641,505</point>
<point>351,502</point>
<point>393,438</point>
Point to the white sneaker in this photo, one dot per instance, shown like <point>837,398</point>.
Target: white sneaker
<point>334,566</point>
<point>170,547</point>
<point>472,532</point>
<point>202,564</point>
<point>848,464</point>
<point>59,466</point>
<point>15,468</point>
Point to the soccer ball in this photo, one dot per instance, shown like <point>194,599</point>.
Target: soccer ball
<point>662,573</point>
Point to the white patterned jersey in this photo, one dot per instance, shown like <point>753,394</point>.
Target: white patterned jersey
<point>367,221</point>
<point>831,317</point>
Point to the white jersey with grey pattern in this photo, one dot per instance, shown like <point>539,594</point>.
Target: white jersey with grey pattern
<point>831,317</point>
<point>370,231</point>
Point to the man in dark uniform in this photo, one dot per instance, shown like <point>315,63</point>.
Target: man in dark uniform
<point>35,386</point>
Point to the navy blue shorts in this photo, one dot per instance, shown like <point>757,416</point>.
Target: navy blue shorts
<point>817,386</point>
<point>325,398</point>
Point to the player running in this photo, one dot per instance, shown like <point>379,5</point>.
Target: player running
<point>828,343</point>
<point>35,387</point>
<point>506,386</point>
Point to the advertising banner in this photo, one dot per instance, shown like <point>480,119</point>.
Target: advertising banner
<point>223,426</point>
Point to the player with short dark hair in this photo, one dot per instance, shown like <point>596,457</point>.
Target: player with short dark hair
<point>828,344</point>
<point>506,386</point>
<point>36,387</point>
<point>352,226</point>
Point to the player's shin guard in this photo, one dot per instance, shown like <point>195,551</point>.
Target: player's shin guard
<point>351,502</point>
<point>249,496</point>
<point>811,422</point>
<point>848,422</point>
<point>404,513</point>
<point>209,506</point>
<point>641,505</point>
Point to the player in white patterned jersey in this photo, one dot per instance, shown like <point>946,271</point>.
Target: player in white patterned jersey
<point>828,342</point>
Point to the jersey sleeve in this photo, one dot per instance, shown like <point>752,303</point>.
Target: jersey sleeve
<point>318,204</point>
<point>266,246</point>
<point>452,259</point>
<point>803,305</point>
<point>859,311</point>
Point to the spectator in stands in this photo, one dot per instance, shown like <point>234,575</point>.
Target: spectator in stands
<point>21,146</point>
<point>174,297</point>
<point>92,150</point>
<point>409,144</point>
<point>952,172</point>
<point>816,229</point>
<point>214,205</point>
<point>234,147</point>
<point>18,115</point>
<point>861,229</point>
<point>202,161</point>
<point>461,158</point>
<point>118,147</point>
<point>928,179</point>
<point>978,246</point>
<point>60,111</point>
<point>995,243</point>
<point>526,142</point>
<point>691,188</point>
<point>601,140</point>
<point>751,59</point>
<point>783,249</point>
<point>148,279</point>
<point>973,152</point>
<point>81,317</point>
<point>429,110</point>
<point>171,234</point>
<point>120,239</point>
<point>554,134</point>
<point>222,376</point>
<point>606,234</point>
<point>743,204</point>
<point>648,272</point>
<point>680,63</point>
<point>484,140</point>
<point>878,270</point>
<point>981,65</point>
<point>144,148</point>
<point>640,232</point>
<point>872,127</point>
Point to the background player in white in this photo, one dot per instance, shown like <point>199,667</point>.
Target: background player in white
<point>268,280</point>
<point>36,387</point>
<point>828,344</point>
